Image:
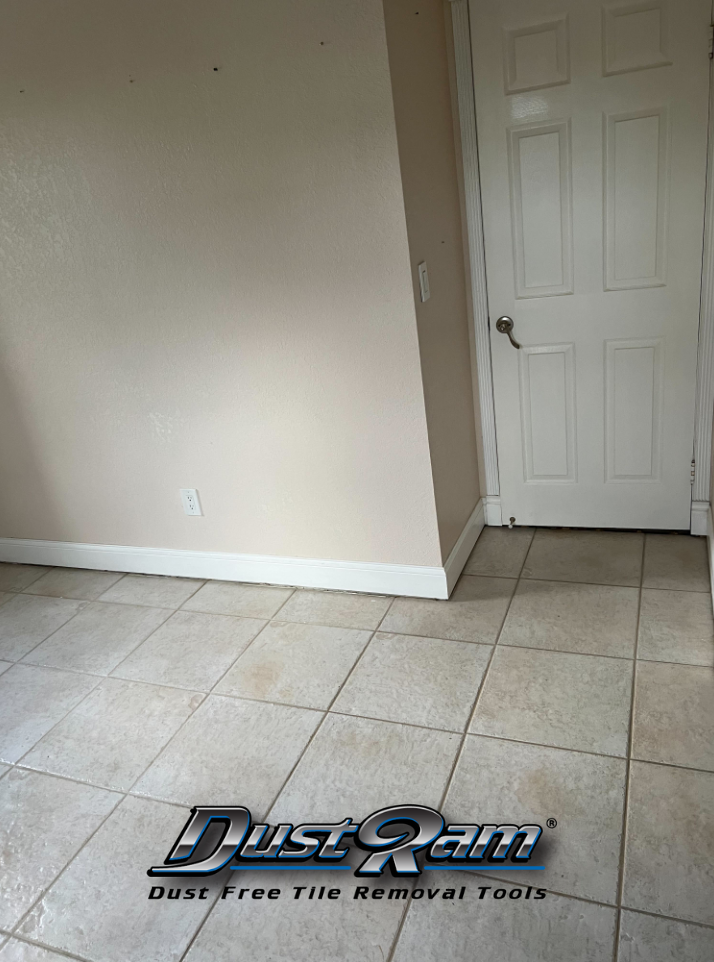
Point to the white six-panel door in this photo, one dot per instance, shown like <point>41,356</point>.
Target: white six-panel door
<point>592,130</point>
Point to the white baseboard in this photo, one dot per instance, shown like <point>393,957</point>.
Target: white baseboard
<point>417,581</point>
<point>699,516</point>
<point>492,509</point>
<point>458,557</point>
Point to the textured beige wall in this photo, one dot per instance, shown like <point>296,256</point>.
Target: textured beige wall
<point>419,64</point>
<point>205,279</point>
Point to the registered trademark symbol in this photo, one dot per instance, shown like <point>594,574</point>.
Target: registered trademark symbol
<point>551,823</point>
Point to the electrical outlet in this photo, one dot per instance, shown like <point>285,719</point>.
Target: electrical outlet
<point>189,499</point>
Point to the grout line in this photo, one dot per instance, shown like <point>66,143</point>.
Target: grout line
<point>469,721</point>
<point>50,948</point>
<point>630,738</point>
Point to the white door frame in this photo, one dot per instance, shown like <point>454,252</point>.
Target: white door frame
<point>474,222</point>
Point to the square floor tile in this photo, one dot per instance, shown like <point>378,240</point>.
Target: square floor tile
<point>230,749</point>
<point>506,782</point>
<point>16,951</point>
<point>485,929</point>
<point>420,681</point>
<point>644,938</point>
<point>32,700</point>
<point>474,612</point>
<point>17,577</point>
<point>227,598</point>
<point>499,551</point>
<point>339,609</point>
<point>595,557</point>
<point>589,619</point>
<point>676,561</point>
<point>99,908</point>
<point>114,734</point>
<point>669,863</point>
<point>82,583</point>
<point>299,930</point>
<point>355,766</point>
<point>190,650</point>
<point>154,590</point>
<point>26,621</point>
<point>564,700</point>
<point>674,715</point>
<point>98,638</point>
<point>676,626</point>
<point>44,822</point>
<point>296,664</point>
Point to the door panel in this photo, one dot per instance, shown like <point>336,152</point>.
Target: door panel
<point>592,127</point>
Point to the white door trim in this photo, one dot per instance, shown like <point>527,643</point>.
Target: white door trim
<point>477,259</point>
<point>477,262</point>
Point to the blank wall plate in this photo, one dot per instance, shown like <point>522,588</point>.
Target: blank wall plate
<point>189,499</point>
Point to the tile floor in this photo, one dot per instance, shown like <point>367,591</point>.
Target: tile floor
<point>126,699</point>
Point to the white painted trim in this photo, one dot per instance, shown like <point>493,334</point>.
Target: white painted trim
<point>474,227</point>
<point>492,510</point>
<point>459,555</point>
<point>710,545</point>
<point>415,581</point>
<point>411,580</point>
<point>705,355</point>
<point>700,515</point>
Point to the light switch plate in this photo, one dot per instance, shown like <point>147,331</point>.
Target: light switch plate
<point>423,282</point>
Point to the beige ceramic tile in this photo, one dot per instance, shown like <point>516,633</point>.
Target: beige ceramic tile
<point>594,557</point>
<point>676,626</point>
<point>499,551</point>
<point>99,908</point>
<point>644,938</point>
<point>590,619</point>
<point>669,863</point>
<point>231,749</point>
<point>676,561</point>
<point>355,766</point>
<point>227,598</point>
<point>298,930</point>
<point>674,715</point>
<point>114,734</point>
<point>485,929</point>
<point>18,577</point>
<point>81,583</point>
<point>44,821</point>
<point>340,609</point>
<point>474,612</point>
<point>296,664</point>
<point>420,681</point>
<point>507,782</point>
<point>26,621</point>
<point>154,590</point>
<point>190,650</point>
<point>16,951</point>
<point>98,638</point>
<point>32,700</point>
<point>564,700</point>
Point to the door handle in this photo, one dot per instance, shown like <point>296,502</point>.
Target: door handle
<point>504,325</point>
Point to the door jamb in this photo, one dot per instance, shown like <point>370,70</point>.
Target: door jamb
<point>704,411</point>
